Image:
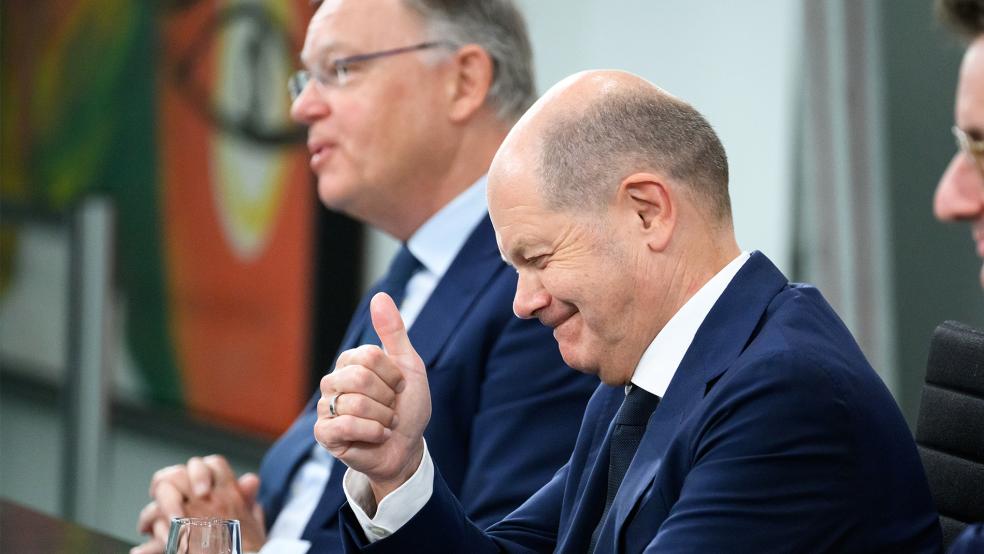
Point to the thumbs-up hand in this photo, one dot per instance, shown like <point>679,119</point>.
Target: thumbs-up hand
<point>376,404</point>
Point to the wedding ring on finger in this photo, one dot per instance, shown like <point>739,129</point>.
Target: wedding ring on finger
<point>332,407</point>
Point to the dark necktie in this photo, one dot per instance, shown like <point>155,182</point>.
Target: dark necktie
<point>394,283</point>
<point>630,425</point>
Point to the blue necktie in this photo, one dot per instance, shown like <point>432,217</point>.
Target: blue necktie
<point>394,283</point>
<point>630,425</point>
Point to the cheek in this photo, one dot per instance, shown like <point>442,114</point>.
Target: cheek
<point>398,135</point>
<point>368,138</point>
<point>356,123</point>
<point>559,286</point>
<point>613,299</point>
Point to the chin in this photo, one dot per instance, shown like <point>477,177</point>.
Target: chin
<point>574,360</point>
<point>611,380</point>
<point>333,194</point>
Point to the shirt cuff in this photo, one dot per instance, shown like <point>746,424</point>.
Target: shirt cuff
<point>285,546</point>
<point>397,508</point>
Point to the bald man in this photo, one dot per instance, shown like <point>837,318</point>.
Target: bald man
<point>736,412</point>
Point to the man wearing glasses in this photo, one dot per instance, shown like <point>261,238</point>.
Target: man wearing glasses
<point>406,102</point>
<point>960,192</point>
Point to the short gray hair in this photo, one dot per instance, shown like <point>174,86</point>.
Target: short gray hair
<point>499,28</point>
<point>585,155</point>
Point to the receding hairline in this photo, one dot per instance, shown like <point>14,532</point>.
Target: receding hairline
<point>602,127</point>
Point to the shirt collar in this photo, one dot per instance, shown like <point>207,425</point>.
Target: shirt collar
<point>437,242</point>
<point>659,362</point>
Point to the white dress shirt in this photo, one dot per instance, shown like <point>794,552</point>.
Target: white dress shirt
<point>653,374</point>
<point>435,244</point>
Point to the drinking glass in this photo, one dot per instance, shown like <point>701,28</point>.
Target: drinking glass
<point>196,535</point>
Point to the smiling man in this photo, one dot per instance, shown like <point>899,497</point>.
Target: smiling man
<point>406,102</point>
<point>738,414</point>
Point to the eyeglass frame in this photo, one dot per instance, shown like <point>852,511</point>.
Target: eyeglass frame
<point>971,147</point>
<point>340,67</point>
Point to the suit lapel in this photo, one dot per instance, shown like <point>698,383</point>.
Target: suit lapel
<point>474,266</point>
<point>360,319</point>
<point>589,498</point>
<point>292,448</point>
<point>449,301</point>
<point>288,452</point>
<point>685,390</point>
<point>719,340</point>
<point>332,498</point>
<point>283,457</point>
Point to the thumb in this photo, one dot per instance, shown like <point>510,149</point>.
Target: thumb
<point>249,486</point>
<point>389,326</point>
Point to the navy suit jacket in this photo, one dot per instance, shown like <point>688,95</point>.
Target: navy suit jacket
<point>505,407</point>
<point>775,435</point>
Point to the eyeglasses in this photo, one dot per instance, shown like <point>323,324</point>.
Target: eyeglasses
<point>971,147</point>
<point>338,70</point>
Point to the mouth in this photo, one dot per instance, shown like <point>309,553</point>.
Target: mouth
<point>320,153</point>
<point>556,322</point>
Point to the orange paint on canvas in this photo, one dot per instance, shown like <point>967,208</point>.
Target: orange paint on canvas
<point>240,315</point>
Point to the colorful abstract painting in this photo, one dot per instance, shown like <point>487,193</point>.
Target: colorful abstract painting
<point>178,112</point>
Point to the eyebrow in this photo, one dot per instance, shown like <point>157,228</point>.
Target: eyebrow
<point>323,51</point>
<point>520,251</point>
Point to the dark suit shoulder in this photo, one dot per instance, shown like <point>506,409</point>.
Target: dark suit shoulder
<point>802,400</point>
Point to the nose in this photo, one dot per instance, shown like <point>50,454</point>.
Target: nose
<point>960,192</point>
<point>310,105</point>
<point>530,295</point>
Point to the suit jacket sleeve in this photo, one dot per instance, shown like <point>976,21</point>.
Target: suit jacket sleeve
<point>442,526</point>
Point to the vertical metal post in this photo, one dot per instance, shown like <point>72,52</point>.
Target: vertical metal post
<point>86,392</point>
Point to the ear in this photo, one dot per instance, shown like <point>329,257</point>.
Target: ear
<point>647,201</point>
<point>470,82</point>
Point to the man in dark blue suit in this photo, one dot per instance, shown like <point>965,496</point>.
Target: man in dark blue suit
<point>406,102</point>
<point>960,192</point>
<point>737,412</point>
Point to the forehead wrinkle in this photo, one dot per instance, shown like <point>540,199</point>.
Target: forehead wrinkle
<point>970,89</point>
<point>320,53</point>
<point>345,16</point>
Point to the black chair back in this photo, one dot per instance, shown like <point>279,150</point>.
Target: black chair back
<point>950,429</point>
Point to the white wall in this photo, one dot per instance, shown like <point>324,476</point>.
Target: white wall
<point>736,62</point>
